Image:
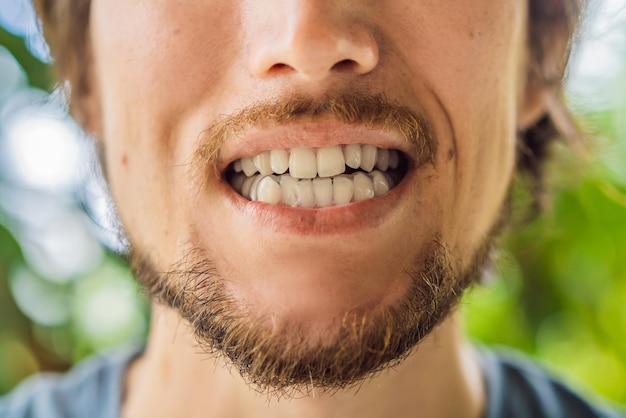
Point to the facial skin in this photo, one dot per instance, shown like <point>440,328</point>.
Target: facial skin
<point>166,72</point>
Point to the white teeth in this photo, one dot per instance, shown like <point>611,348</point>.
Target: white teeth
<point>352,154</point>
<point>381,184</point>
<point>394,159</point>
<point>382,162</point>
<point>245,188</point>
<point>269,191</point>
<point>308,163</point>
<point>323,190</point>
<point>315,177</point>
<point>302,163</point>
<point>330,161</point>
<point>248,166</point>
<point>368,157</point>
<point>262,163</point>
<point>306,196</point>
<point>279,160</point>
<point>254,187</point>
<point>363,187</point>
<point>343,189</point>
<point>288,187</point>
<point>320,192</point>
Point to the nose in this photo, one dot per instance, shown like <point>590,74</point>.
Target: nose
<point>310,39</point>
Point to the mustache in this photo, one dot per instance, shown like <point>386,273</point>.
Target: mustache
<point>374,111</point>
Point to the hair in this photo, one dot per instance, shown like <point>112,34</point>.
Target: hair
<point>551,33</point>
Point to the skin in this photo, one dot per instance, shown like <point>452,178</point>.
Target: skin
<point>165,70</point>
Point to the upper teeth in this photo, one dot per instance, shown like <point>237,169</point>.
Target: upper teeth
<point>310,181</point>
<point>308,163</point>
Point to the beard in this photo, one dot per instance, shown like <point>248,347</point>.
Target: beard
<point>280,358</point>
<point>280,355</point>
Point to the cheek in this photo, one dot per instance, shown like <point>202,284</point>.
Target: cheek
<point>152,50</point>
<point>468,56</point>
<point>155,61</point>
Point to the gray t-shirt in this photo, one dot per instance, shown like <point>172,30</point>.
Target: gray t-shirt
<point>93,389</point>
<point>516,388</point>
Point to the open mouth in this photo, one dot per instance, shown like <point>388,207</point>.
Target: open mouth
<point>318,177</point>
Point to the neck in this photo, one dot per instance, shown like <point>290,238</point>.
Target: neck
<point>440,379</point>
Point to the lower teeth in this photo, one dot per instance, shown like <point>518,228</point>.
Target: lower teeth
<point>318,192</point>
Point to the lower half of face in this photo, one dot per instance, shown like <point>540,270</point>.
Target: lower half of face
<point>328,293</point>
<point>310,229</point>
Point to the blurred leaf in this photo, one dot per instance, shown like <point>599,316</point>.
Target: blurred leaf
<point>39,74</point>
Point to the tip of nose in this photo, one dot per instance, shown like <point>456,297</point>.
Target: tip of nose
<point>312,56</point>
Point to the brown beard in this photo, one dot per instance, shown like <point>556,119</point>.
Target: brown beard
<point>282,357</point>
<point>282,360</point>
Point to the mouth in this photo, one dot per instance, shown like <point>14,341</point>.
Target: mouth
<point>322,177</point>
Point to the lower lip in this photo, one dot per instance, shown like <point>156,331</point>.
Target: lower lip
<point>345,219</point>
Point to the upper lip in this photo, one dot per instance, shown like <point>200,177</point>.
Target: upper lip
<point>310,134</point>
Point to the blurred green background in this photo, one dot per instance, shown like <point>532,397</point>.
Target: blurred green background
<point>558,291</point>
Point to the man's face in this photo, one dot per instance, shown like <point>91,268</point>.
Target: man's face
<point>437,82</point>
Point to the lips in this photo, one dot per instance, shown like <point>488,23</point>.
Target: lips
<point>297,166</point>
<point>317,177</point>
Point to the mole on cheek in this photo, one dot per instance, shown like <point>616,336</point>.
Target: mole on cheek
<point>124,160</point>
<point>451,155</point>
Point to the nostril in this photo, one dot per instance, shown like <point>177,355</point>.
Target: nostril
<point>346,65</point>
<point>279,68</point>
<point>343,66</point>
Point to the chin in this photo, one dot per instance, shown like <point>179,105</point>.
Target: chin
<point>318,289</point>
<point>323,331</point>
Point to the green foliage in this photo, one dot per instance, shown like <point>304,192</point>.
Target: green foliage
<point>561,295</point>
<point>39,74</point>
